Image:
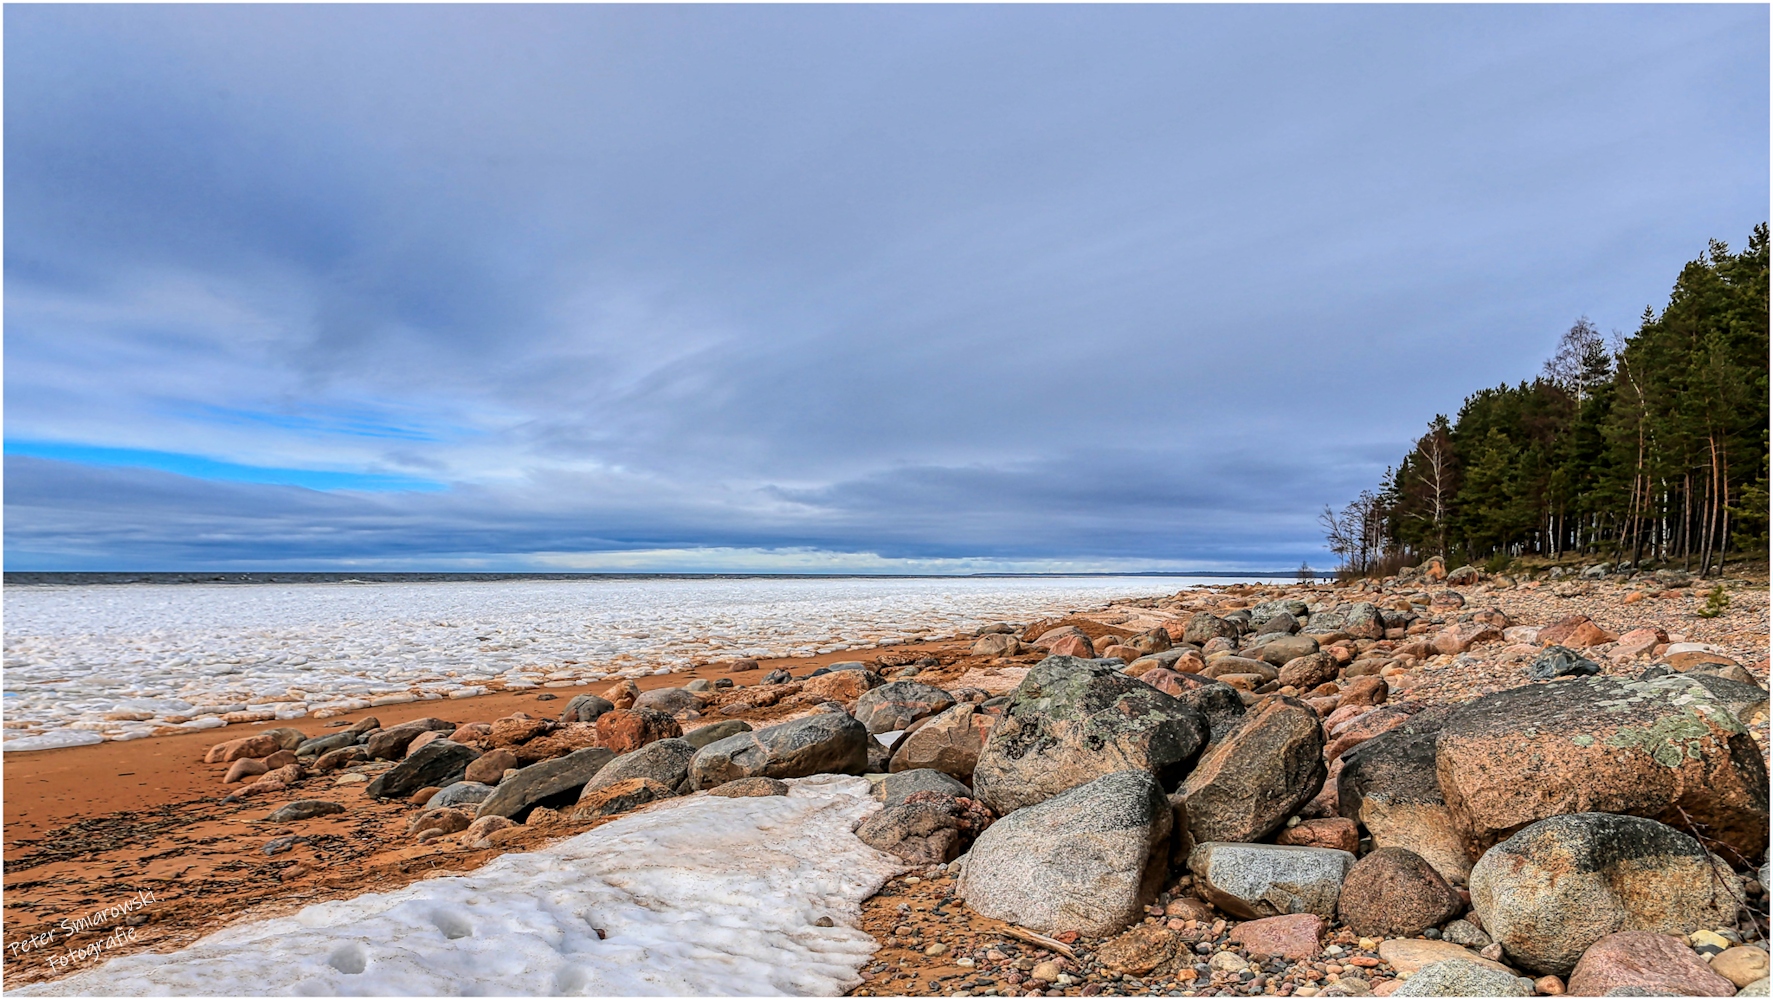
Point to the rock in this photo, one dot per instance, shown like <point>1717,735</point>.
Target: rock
<point>705,735</point>
<point>1226,666</point>
<point>663,761</point>
<point>776,676</point>
<point>1455,639</point>
<point>1388,784</point>
<point>1365,691</point>
<point>620,797</point>
<point>1050,636</point>
<point>1261,613</point>
<point>585,708</point>
<point>488,768</point>
<point>322,744</point>
<point>1553,889</point>
<point>1758,988</point>
<point>551,779</point>
<point>950,742</point>
<point>1284,623</point>
<point>1364,621</point>
<point>1460,978</point>
<point>1072,645</point>
<point>896,706</point>
<point>1216,700</point>
<point>485,827</point>
<point>559,742</point>
<point>1745,699</point>
<point>516,731</point>
<point>419,741</point>
<point>1293,937</point>
<point>437,763</point>
<point>926,828</point>
<point>1465,934</point>
<point>1277,652</point>
<point>1464,576</point>
<point>1266,880</point>
<point>840,685</point>
<point>459,793</point>
<point>444,821</point>
<point>1205,627</point>
<point>823,743</point>
<point>543,816</point>
<point>1246,786</point>
<point>472,731</point>
<point>260,745</point>
<point>1664,749</point>
<point>1687,655</point>
<point>1410,956</point>
<point>1150,642</point>
<point>1395,893</point>
<point>622,693</point>
<point>744,788</point>
<point>1142,949</point>
<point>671,701</point>
<point>997,645</point>
<point>1307,672</point>
<point>245,767</point>
<point>1087,859</point>
<point>898,788</point>
<point>1337,834</point>
<point>1638,642</point>
<point>1447,600</point>
<point>1588,634</point>
<point>332,760</point>
<point>624,730</point>
<point>1741,965</point>
<point>309,808</point>
<point>1559,631</point>
<point>390,744</point>
<point>1072,721</point>
<point>1645,960</point>
<point>1561,661</point>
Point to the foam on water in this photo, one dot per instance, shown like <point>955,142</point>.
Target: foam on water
<point>698,896</point>
<point>124,660</point>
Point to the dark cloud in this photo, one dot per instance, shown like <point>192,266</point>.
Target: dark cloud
<point>1039,283</point>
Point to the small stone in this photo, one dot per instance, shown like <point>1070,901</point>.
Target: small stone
<point>304,809</point>
<point>1463,979</point>
<point>936,949</point>
<point>1046,972</point>
<point>1550,986</point>
<point>750,788</point>
<point>354,778</point>
<point>1741,965</point>
<point>1645,960</point>
<point>1294,936</point>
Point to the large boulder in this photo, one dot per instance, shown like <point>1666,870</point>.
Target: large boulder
<point>1364,621</point>
<point>1261,613</point>
<point>996,644</point>
<point>1394,893</point>
<point>1555,888</point>
<point>1086,860</point>
<point>663,761</point>
<point>1246,785</point>
<point>1270,880</point>
<point>892,707</point>
<point>548,783</point>
<point>1307,672</point>
<point>1205,626</point>
<point>1745,700</point>
<point>1388,785</point>
<point>841,684</point>
<point>822,743</point>
<point>1282,622</point>
<point>926,818</point>
<point>390,743</point>
<point>704,735</point>
<point>1072,721</point>
<point>1458,638</point>
<point>1216,700</point>
<point>1642,963</point>
<point>1666,748</point>
<point>951,742</point>
<point>435,764</point>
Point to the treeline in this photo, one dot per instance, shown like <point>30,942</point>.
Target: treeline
<point>1652,449</point>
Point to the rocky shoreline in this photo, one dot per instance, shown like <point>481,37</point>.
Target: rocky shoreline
<point>1244,790</point>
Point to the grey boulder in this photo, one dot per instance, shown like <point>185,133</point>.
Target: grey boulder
<point>705,735</point>
<point>664,761</point>
<point>1455,978</point>
<point>893,707</point>
<point>822,743</point>
<point>437,763</point>
<point>1270,880</point>
<point>536,784</point>
<point>585,708</point>
<point>1085,860</point>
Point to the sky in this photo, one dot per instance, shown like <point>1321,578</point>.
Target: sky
<point>812,288</point>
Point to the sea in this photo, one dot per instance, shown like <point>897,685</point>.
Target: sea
<point>94,657</point>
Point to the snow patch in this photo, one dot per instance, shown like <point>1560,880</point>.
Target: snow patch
<point>703,895</point>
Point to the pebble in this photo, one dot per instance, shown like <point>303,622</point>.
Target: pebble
<point>353,778</point>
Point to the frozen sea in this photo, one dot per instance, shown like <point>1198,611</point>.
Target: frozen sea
<point>84,663</point>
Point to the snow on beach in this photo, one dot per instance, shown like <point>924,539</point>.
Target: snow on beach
<point>695,897</point>
<point>91,662</point>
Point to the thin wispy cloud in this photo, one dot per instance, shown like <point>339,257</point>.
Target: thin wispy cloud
<point>1039,287</point>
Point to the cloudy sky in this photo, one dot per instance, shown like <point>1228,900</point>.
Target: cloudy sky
<point>929,288</point>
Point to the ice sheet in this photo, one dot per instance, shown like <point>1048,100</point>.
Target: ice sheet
<point>698,896</point>
<point>124,660</point>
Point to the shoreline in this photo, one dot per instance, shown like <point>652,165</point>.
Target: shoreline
<point>84,824</point>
